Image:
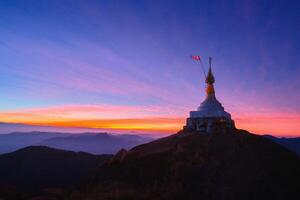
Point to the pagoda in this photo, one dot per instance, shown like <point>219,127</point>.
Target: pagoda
<point>210,114</point>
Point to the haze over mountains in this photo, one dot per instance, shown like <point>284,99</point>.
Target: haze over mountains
<point>99,143</point>
<point>96,143</point>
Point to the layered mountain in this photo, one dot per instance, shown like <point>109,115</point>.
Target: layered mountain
<point>100,143</point>
<point>16,140</point>
<point>231,164</point>
<point>96,143</point>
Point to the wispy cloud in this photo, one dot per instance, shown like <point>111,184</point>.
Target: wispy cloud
<point>86,112</point>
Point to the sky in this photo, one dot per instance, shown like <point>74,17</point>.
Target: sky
<point>125,65</point>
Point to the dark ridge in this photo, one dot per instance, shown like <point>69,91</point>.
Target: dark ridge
<point>37,167</point>
<point>191,165</point>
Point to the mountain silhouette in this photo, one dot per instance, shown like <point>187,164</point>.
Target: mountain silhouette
<point>292,144</point>
<point>37,167</point>
<point>223,165</point>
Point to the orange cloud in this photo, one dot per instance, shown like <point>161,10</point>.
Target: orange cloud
<point>84,112</point>
<point>145,119</point>
<point>163,125</point>
<point>137,118</point>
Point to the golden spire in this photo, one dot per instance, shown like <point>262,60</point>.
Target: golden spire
<point>210,79</point>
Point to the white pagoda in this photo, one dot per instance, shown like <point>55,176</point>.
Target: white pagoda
<point>210,114</point>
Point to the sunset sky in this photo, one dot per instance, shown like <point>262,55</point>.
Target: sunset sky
<point>124,65</point>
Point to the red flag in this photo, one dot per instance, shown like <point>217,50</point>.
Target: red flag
<point>197,58</point>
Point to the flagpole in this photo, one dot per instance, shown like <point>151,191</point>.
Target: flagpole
<point>198,59</point>
<point>203,69</point>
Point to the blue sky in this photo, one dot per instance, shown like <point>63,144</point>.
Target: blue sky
<point>136,54</point>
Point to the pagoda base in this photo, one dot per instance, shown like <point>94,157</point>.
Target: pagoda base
<point>209,124</point>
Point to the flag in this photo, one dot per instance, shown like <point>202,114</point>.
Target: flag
<point>197,58</point>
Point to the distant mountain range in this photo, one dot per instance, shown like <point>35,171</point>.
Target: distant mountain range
<point>74,139</point>
<point>96,143</point>
<point>100,143</point>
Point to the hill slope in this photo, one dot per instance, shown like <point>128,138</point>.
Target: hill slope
<point>235,165</point>
<point>38,167</point>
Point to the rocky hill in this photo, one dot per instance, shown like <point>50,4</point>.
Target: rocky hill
<point>191,165</point>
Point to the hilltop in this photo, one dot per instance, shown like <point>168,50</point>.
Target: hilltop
<point>233,164</point>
